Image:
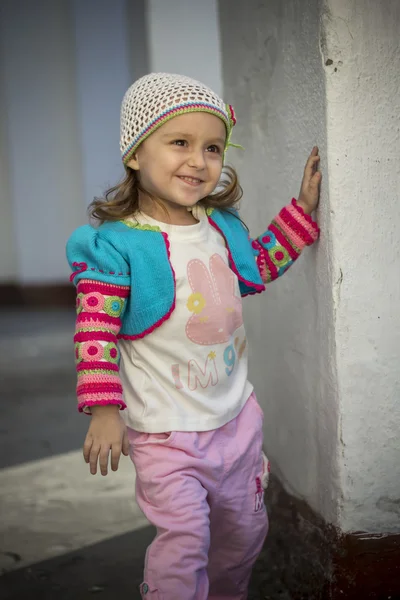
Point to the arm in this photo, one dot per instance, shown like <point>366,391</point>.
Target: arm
<point>103,282</point>
<point>292,229</point>
<point>100,307</point>
<point>280,246</point>
<point>99,390</point>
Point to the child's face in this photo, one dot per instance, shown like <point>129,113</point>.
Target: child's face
<point>181,162</point>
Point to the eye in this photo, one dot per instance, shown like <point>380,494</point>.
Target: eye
<point>214,149</point>
<point>181,143</point>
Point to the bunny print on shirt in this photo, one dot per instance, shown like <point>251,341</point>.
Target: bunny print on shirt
<point>216,317</point>
<point>217,311</point>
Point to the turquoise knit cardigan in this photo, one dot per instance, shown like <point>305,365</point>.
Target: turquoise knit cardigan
<point>129,254</point>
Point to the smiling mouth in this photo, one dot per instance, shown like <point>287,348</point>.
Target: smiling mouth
<point>191,180</point>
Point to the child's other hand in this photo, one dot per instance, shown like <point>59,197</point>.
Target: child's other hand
<point>107,432</point>
<point>310,186</point>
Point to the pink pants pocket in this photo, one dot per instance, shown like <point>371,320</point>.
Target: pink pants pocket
<point>139,438</point>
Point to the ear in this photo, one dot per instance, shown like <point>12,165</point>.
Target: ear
<point>133,162</point>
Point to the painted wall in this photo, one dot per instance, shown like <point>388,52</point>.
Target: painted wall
<point>82,58</point>
<point>42,132</point>
<point>184,38</point>
<point>275,80</point>
<point>104,70</point>
<point>8,262</point>
<point>64,68</point>
<point>325,339</point>
<point>362,39</point>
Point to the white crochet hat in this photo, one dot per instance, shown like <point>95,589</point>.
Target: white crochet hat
<point>158,97</point>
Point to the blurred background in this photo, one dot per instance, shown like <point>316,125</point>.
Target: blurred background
<point>324,341</point>
<point>65,68</point>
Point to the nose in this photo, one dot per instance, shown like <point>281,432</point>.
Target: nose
<point>196,159</point>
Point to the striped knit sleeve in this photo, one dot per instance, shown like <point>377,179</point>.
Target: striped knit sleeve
<point>99,307</point>
<point>278,248</point>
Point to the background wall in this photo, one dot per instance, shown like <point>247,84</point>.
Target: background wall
<point>184,38</point>
<point>64,67</point>
<point>42,136</point>
<point>8,260</point>
<point>103,73</point>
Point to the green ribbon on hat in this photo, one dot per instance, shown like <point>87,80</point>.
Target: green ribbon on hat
<point>230,145</point>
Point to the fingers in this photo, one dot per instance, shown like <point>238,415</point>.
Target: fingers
<point>105,435</point>
<point>87,446</point>
<point>93,457</point>
<point>115,456</point>
<point>125,444</point>
<point>117,449</point>
<point>314,156</point>
<point>103,460</point>
<point>101,454</point>
<point>91,453</point>
<point>317,177</point>
<point>315,184</point>
<point>311,166</point>
<point>312,162</point>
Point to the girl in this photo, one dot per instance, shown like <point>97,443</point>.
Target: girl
<point>160,335</point>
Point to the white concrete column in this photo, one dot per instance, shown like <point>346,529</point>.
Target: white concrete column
<point>184,38</point>
<point>325,340</point>
<point>361,50</point>
<point>275,81</point>
<point>42,133</point>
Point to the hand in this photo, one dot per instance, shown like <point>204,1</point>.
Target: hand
<point>311,184</point>
<point>107,431</point>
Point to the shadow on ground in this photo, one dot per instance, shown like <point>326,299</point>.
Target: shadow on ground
<point>110,570</point>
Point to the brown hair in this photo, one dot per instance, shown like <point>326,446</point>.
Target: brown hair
<point>122,200</point>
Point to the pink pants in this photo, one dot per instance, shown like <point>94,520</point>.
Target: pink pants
<point>203,493</point>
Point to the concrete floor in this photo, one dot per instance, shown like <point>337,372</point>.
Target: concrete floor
<point>65,534</point>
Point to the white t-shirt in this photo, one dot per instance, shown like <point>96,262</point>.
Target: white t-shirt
<point>190,374</point>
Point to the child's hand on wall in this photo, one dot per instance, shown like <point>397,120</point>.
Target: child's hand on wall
<point>310,186</point>
<point>107,433</point>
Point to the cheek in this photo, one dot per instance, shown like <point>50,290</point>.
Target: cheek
<point>152,174</point>
<point>215,169</point>
<point>174,160</point>
<point>166,165</point>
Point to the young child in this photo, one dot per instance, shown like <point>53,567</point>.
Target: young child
<point>160,335</point>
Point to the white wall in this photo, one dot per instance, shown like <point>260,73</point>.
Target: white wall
<point>65,66</point>
<point>184,39</point>
<point>362,38</point>
<point>8,260</point>
<point>326,338</point>
<point>42,132</point>
<point>274,78</point>
<point>103,74</point>
<point>64,69</point>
